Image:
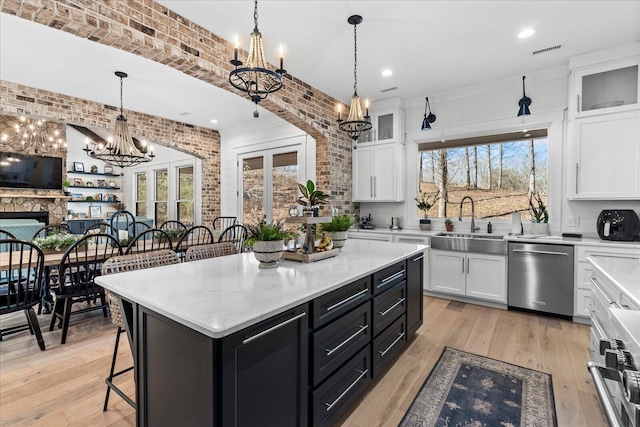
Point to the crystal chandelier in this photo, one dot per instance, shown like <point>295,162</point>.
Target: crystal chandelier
<point>33,136</point>
<point>120,149</point>
<point>256,79</point>
<point>356,123</point>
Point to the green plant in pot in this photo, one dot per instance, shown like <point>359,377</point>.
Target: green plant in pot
<point>311,198</point>
<point>539,214</point>
<point>267,240</point>
<point>448,224</point>
<point>338,229</point>
<point>66,185</point>
<point>424,202</point>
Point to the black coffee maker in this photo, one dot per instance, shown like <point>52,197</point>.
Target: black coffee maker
<point>365,222</point>
<point>620,225</point>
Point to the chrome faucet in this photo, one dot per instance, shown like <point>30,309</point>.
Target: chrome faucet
<point>473,213</point>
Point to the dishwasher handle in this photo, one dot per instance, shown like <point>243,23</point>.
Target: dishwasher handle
<point>529,251</point>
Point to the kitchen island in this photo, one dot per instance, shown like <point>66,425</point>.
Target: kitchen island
<point>221,342</point>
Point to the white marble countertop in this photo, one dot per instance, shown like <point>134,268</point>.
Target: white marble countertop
<point>220,296</point>
<point>622,272</point>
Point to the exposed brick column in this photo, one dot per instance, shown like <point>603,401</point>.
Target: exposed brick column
<point>152,31</point>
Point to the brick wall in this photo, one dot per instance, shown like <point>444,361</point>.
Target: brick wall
<point>152,31</point>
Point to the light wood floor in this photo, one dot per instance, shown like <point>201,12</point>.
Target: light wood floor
<point>64,385</point>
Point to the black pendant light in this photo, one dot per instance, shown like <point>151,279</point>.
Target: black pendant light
<point>428,119</point>
<point>524,102</point>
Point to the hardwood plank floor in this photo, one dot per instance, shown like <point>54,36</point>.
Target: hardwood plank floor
<point>64,385</point>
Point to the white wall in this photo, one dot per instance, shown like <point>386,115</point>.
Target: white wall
<point>261,134</point>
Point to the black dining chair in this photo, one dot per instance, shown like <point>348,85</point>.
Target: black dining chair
<point>173,225</point>
<point>79,267</point>
<point>122,220</point>
<point>99,227</point>
<point>21,284</point>
<point>149,240</point>
<point>196,235</point>
<point>6,235</point>
<point>235,234</point>
<point>224,222</point>
<point>49,230</point>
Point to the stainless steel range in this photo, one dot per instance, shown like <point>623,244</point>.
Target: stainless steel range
<point>615,355</point>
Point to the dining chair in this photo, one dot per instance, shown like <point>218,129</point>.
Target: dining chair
<point>149,240</point>
<point>213,250</point>
<point>235,234</point>
<point>79,267</point>
<point>224,222</point>
<point>6,235</point>
<point>196,235</point>
<point>21,285</point>
<point>119,264</point>
<point>173,225</point>
<point>99,227</point>
<point>122,220</point>
<point>49,230</point>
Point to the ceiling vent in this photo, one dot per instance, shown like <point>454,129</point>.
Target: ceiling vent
<point>546,49</point>
<point>389,89</point>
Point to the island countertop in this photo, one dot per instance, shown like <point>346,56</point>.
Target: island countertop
<point>220,296</point>
<point>622,272</point>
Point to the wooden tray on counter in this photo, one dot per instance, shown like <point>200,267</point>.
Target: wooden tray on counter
<point>315,256</point>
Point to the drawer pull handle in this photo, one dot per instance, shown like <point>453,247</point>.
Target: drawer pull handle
<point>392,277</point>
<point>595,283</point>
<point>352,385</point>
<point>384,313</point>
<point>347,299</point>
<point>607,403</point>
<point>355,334</point>
<point>540,252</point>
<point>273,328</point>
<point>382,353</point>
<point>616,304</point>
<point>419,258</point>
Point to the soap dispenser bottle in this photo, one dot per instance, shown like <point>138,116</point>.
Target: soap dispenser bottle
<point>489,228</point>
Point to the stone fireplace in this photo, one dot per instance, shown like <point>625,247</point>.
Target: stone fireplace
<point>47,208</point>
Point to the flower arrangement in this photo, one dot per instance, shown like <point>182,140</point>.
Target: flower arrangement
<point>425,201</point>
<point>539,213</point>
<point>57,241</point>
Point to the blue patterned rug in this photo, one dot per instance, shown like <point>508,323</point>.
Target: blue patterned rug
<point>465,389</point>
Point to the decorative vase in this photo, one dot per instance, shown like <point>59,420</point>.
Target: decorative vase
<point>339,238</point>
<point>425,224</point>
<point>268,252</point>
<point>540,228</point>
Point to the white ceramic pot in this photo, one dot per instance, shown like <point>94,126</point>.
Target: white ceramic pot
<point>268,252</point>
<point>540,228</point>
<point>339,238</point>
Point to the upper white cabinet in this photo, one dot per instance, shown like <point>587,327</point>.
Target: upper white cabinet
<point>378,160</point>
<point>604,126</point>
<point>605,88</point>
<point>388,126</point>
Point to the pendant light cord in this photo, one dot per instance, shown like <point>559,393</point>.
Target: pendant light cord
<point>355,61</point>
<point>255,15</point>
<point>121,109</point>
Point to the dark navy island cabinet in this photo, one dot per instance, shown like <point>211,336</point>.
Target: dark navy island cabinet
<point>305,366</point>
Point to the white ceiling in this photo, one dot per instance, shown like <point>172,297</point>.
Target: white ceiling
<point>431,46</point>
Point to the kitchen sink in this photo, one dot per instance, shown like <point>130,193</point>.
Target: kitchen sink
<point>470,242</point>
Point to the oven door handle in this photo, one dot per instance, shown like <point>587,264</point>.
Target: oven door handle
<point>605,399</point>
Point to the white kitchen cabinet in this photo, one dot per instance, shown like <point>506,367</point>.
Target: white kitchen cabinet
<point>473,275</point>
<point>387,127</point>
<point>605,157</point>
<point>378,173</point>
<point>604,87</point>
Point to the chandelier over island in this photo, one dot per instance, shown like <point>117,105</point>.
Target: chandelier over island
<point>120,149</point>
<point>255,78</point>
<point>356,123</point>
<point>34,136</point>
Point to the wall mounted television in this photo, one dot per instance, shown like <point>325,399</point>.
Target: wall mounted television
<point>30,171</point>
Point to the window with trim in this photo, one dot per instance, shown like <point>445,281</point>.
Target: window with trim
<point>185,200</point>
<point>499,172</point>
<point>161,196</point>
<point>141,194</point>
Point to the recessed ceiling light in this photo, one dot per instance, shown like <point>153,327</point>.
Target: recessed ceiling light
<point>527,32</point>
<point>386,73</point>
<point>214,121</point>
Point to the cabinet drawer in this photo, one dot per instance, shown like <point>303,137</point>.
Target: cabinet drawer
<point>583,302</point>
<point>334,397</point>
<point>336,303</point>
<point>339,341</point>
<point>386,278</point>
<point>388,344</point>
<point>388,306</point>
<point>582,252</point>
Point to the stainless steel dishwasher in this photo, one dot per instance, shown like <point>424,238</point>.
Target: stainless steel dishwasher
<point>541,277</point>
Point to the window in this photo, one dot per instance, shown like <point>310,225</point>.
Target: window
<point>185,202</point>
<point>161,196</point>
<point>499,172</point>
<point>141,194</point>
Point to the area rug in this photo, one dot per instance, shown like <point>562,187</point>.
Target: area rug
<point>465,389</point>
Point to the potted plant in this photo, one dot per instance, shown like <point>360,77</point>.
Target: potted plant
<point>424,202</point>
<point>311,198</point>
<point>66,184</point>
<point>56,242</point>
<point>448,224</point>
<point>338,229</point>
<point>539,215</point>
<point>267,241</point>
